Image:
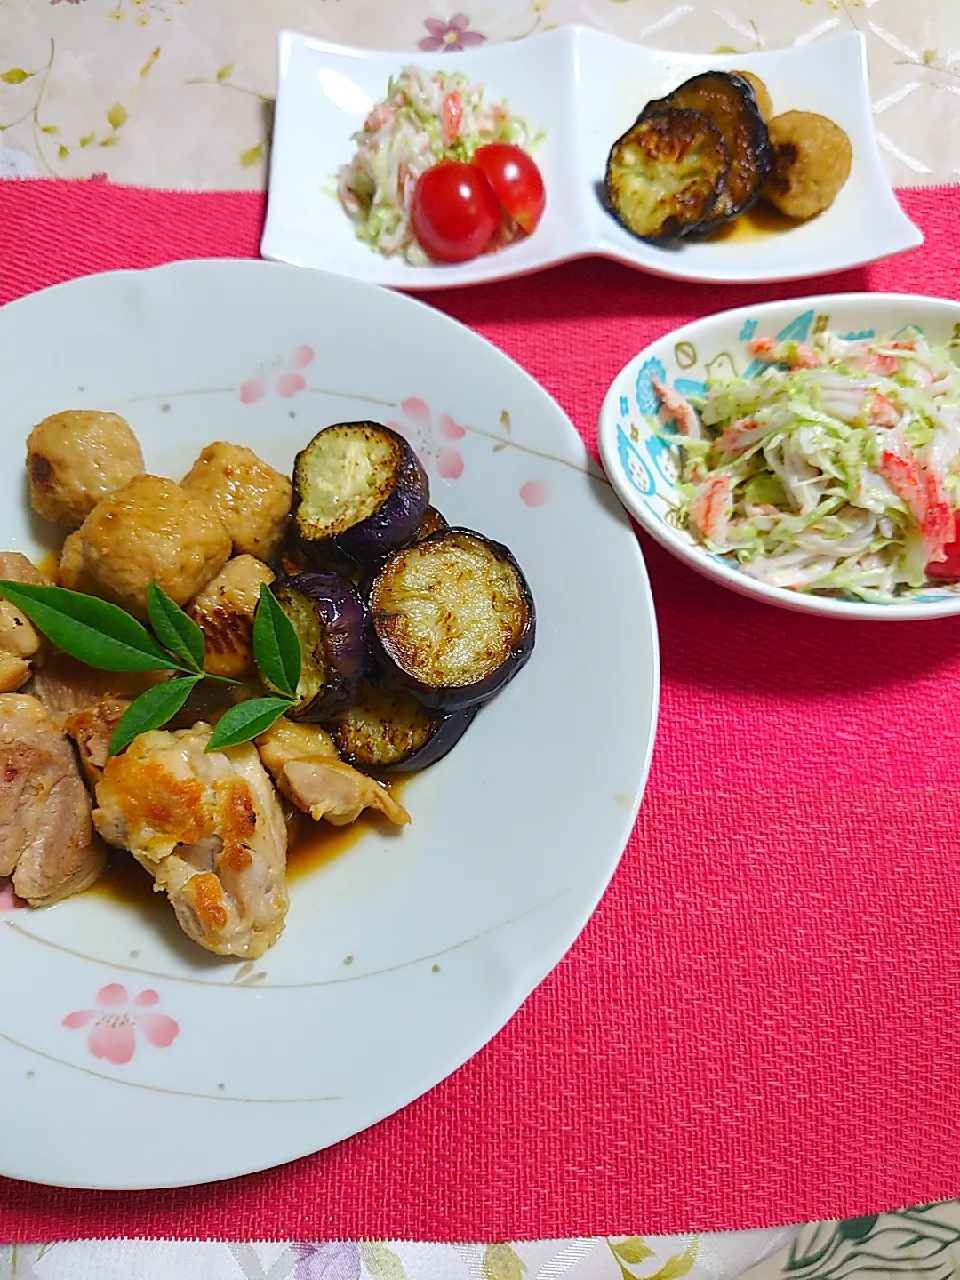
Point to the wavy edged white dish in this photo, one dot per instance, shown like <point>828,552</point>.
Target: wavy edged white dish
<point>585,88</point>
<point>643,468</point>
<point>407,952</point>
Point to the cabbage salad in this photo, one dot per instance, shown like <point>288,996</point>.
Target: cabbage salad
<point>425,117</point>
<point>836,469</point>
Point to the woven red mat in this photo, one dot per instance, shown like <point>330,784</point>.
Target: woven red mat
<point>760,1024</point>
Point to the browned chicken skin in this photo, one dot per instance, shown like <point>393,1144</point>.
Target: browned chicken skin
<point>209,829</point>
<point>46,837</point>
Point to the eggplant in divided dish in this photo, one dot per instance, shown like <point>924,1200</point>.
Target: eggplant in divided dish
<point>666,174</point>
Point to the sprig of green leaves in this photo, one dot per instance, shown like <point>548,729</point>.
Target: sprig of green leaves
<point>103,635</point>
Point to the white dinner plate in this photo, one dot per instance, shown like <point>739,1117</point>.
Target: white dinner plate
<point>585,88</point>
<point>407,952</point>
<point>644,466</point>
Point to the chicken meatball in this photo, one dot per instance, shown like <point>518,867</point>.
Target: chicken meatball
<point>760,92</point>
<point>153,530</point>
<point>224,612</point>
<point>252,499</point>
<point>76,458</point>
<point>812,159</point>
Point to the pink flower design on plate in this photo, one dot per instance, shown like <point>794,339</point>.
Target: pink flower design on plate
<point>422,433</point>
<point>283,375</point>
<point>534,493</point>
<point>8,899</point>
<point>451,37</point>
<point>117,1019</point>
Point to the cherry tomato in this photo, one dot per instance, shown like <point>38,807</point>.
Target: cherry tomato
<point>454,211</point>
<point>947,570</point>
<point>517,182</point>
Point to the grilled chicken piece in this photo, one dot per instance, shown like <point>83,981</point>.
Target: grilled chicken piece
<point>64,685</point>
<point>305,765</point>
<point>224,612</point>
<point>91,729</point>
<point>19,640</point>
<point>209,829</point>
<point>46,838</point>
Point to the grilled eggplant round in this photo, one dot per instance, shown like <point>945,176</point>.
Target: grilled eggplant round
<point>330,620</point>
<point>360,486</point>
<point>432,522</point>
<point>730,104</point>
<point>452,619</point>
<point>666,174</point>
<point>388,731</point>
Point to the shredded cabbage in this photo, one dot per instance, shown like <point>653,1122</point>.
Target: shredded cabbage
<point>836,469</point>
<point>425,117</point>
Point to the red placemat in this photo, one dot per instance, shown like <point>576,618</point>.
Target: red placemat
<point>759,1025</point>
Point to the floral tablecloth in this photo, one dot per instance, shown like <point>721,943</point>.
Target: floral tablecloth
<point>176,93</point>
<point>923,1242</point>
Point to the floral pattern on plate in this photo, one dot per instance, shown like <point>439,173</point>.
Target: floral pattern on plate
<point>116,1020</point>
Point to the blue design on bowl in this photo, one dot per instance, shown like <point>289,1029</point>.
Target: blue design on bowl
<point>656,448</point>
<point>633,466</point>
<point>860,335</point>
<point>624,407</point>
<point>748,330</point>
<point>690,387</point>
<point>797,330</point>
<point>647,399</point>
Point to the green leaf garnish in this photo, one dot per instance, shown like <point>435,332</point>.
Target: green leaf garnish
<point>276,647</point>
<point>104,636</point>
<point>88,628</point>
<point>151,710</point>
<point>174,629</point>
<point>245,721</point>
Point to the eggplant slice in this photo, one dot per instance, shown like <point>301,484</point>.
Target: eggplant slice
<point>452,619</point>
<point>432,522</point>
<point>666,174</point>
<point>390,732</point>
<point>360,486</point>
<point>728,101</point>
<point>330,620</point>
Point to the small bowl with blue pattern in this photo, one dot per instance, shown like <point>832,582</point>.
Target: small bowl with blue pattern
<point>640,442</point>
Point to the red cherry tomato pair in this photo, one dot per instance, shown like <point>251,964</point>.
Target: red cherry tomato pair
<point>458,208</point>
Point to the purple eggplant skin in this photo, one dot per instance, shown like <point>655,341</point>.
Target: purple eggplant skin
<point>387,732</point>
<point>406,667</point>
<point>399,493</point>
<point>330,619</point>
<point>432,522</point>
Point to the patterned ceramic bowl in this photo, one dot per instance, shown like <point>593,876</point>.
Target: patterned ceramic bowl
<point>643,466</point>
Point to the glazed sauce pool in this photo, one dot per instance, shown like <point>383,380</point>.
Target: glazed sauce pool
<point>760,221</point>
<point>311,845</point>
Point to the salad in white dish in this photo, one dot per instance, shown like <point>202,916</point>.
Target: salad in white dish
<point>836,469</point>
<point>425,120</point>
